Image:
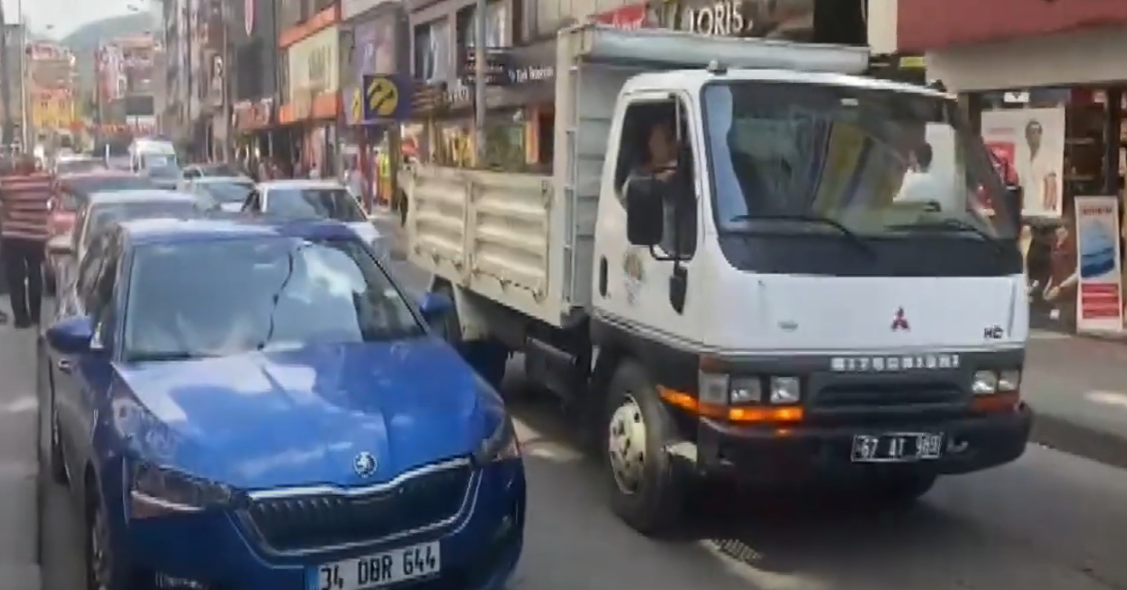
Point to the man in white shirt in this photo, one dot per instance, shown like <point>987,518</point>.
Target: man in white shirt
<point>1039,181</point>
<point>921,185</point>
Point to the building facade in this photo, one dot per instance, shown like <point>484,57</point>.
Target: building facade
<point>254,36</point>
<point>520,42</point>
<point>126,86</point>
<point>16,112</point>
<point>51,93</point>
<point>310,44</point>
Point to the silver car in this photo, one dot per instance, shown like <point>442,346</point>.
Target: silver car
<point>65,252</point>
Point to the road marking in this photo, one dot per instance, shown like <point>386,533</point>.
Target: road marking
<point>1048,335</point>
<point>20,405</point>
<point>1108,398</point>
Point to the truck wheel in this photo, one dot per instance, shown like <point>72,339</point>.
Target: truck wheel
<point>648,487</point>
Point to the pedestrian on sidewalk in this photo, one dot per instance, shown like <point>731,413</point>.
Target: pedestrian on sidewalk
<point>23,238</point>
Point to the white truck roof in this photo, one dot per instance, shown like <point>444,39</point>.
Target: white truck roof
<point>671,49</point>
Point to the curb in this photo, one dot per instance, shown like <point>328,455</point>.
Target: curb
<point>1083,441</point>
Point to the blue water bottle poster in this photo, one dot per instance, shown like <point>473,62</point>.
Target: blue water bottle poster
<point>1100,302</point>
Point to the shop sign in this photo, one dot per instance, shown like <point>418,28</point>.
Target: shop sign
<point>253,114</point>
<point>628,18</point>
<point>1099,298</point>
<point>313,62</point>
<point>783,19</point>
<point>929,25</point>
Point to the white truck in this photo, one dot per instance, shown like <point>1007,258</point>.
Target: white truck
<point>820,281</point>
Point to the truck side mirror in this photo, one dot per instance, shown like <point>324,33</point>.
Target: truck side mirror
<point>643,212</point>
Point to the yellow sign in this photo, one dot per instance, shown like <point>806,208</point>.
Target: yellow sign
<point>382,95</point>
<point>357,105</point>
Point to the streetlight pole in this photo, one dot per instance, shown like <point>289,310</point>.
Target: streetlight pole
<point>479,84</point>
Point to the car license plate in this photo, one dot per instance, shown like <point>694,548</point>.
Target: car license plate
<point>897,447</point>
<point>377,571</point>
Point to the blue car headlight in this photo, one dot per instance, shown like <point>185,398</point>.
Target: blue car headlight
<point>502,445</point>
<point>157,491</point>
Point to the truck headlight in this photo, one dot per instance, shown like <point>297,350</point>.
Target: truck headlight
<point>502,445</point>
<point>785,390</point>
<point>984,383</point>
<point>724,390</point>
<point>155,491</point>
<point>1009,380</point>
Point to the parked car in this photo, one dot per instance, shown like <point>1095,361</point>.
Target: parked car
<point>78,164</point>
<point>315,199</point>
<point>226,193</point>
<point>220,170</point>
<point>66,252</point>
<point>73,191</point>
<point>262,392</point>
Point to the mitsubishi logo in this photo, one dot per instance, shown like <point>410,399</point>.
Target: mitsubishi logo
<point>899,322</point>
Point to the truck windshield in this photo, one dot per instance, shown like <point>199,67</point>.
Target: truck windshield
<point>878,163</point>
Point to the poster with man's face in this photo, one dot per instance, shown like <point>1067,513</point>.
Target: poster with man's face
<point>1032,142</point>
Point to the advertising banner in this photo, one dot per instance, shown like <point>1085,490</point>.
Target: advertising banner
<point>1030,142</point>
<point>1099,301</point>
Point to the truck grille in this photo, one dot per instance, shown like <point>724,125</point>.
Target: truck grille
<point>876,404</point>
<point>327,520</point>
<point>887,394</point>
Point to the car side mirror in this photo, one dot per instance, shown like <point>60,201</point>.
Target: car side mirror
<point>72,335</point>
<point>435,306</point>
<point>643,212</point>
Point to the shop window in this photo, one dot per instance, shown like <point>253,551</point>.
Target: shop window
<point>504,141</point>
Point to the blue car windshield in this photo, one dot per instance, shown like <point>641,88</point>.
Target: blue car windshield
<point>208,298</point>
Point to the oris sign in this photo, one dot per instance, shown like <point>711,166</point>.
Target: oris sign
<point>930,25</point>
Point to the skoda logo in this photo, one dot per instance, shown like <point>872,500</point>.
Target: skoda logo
<point>364,464</point>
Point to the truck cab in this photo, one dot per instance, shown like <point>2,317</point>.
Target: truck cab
<point>771,270</point>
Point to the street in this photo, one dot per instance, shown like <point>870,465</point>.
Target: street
<point>1050,521</point>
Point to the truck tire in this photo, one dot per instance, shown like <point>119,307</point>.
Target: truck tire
<point>648,486</point>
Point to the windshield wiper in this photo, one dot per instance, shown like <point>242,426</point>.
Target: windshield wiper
<point>849,234</point>
<point>951,224</point>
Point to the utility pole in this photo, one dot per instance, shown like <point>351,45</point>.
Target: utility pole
<point>6,83</point>
<point>479,84</point>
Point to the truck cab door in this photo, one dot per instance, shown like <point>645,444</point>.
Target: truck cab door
<point>635,285</point>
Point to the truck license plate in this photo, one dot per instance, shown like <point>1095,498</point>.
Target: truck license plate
<point>897,447</point>
<point>376,571</point>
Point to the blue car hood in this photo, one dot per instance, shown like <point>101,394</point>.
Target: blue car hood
<point>300,417</point>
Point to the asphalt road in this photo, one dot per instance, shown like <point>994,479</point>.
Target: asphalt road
<point>1049,521</point>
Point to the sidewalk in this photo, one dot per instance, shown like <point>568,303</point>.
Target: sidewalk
<point>1078,388</point>
<point>19,462</point>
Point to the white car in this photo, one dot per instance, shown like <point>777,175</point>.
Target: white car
<point>226,193</point>
<point>316,199</point>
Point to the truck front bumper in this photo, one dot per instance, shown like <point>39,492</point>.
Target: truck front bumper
<point>768,455</point>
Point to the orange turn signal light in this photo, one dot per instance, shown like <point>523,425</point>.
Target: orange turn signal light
<point>742,414</point>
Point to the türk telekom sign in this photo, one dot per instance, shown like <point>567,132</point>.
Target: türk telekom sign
<point>929,25</point>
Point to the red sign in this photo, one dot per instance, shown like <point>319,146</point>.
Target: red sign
<point>928,25</point>
<point>629,17</point>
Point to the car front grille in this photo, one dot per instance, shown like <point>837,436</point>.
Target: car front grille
<point>310,522</point>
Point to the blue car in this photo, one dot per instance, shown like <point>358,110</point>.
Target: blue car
<point>245,404</point>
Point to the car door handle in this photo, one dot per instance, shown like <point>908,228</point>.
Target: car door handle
<point>65,366</point>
